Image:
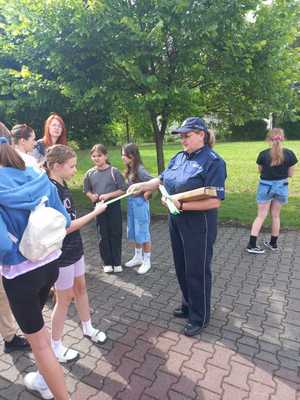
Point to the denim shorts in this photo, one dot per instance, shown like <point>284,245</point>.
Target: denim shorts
<point>272,190</point>
<point>138,220</point>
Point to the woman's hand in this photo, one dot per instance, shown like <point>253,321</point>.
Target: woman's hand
<point>164,201</point>
<point>175,202</point>
<point>135,189</point>
<point>147,195</point>
<point>104,197</point>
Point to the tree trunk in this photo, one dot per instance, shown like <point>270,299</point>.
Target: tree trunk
<point>127,129</point>
<point>159,129</point>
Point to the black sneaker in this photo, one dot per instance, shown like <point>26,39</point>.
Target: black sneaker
<point>17,343</point>
<point>255,250</point>
<point>270,247</point>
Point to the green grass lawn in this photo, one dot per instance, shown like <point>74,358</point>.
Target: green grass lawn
<point>239,206</point>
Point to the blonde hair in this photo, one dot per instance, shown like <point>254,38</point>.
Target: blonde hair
<point>276,137</point>
<point>210,139</point>
<point>59,153</point>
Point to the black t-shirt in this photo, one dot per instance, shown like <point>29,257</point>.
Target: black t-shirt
<point>276,172</point>
<point>72,249</point>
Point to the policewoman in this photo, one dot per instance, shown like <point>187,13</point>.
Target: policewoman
<point>194,230</point>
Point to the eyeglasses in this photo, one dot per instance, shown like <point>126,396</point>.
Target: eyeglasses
<point>184,136</point>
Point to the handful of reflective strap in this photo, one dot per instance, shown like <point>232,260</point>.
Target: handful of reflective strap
<point>171,206</point>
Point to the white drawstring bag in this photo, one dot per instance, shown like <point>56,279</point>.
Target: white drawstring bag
<point>44,233</point>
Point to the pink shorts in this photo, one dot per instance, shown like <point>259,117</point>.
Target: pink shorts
<point>67,275</point>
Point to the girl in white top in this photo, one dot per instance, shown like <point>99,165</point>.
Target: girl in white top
<point>24,143</point>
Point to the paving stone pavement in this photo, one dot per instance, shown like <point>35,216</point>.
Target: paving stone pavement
<point>250,350</point>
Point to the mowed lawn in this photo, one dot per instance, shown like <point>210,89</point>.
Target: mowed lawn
<point>239,206</point>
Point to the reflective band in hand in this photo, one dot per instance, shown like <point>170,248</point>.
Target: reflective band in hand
<point>171,206</point>
<point>117,198</point>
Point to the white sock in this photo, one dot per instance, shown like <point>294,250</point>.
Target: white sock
<point>56,344</point>
<point>147,257</point>
<point>88,328</point>
<point>40,379</point>
<point>138,252</point>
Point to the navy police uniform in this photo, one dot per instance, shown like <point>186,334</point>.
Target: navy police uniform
<point>193,233</point>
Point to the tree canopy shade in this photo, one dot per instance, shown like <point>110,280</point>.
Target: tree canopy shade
<point>160,59</point>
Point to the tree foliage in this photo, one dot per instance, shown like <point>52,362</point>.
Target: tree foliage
<point>146,63</point>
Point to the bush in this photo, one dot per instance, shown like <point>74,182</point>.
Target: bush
<point>291,129</point>
<point>251,130</point>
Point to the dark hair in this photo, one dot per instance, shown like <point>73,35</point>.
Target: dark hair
<point>58,153</point>
<point>9,157</point>
<point>21,131</point>
<point>99,148</point>
<point>131,151</point>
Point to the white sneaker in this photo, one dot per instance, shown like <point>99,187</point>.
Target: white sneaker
<point>34,382</point>
<point>97,336</point>
<point>108,269</point>
<point>118,268</point>
<point>144,268</point>
<point>134,262</point>
<point>64,355</point>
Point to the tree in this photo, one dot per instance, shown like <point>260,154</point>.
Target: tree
<point>150,60</point>
<point>183,57</point>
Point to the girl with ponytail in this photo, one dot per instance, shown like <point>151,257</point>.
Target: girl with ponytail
<point>275,165</point>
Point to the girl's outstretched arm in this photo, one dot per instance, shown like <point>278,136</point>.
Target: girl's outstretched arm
<point>78,223</point>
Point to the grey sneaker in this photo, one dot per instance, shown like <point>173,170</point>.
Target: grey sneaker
<point>255,250</point>
<point>270,247</point>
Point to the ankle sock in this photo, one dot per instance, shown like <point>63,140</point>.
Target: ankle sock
<point>147,257</point>
<point>56,344</point>
<point>40,379</point>
<point>87,328</point>
<point>252,241</point>
<point>273,241</point>
<point>138,252</point>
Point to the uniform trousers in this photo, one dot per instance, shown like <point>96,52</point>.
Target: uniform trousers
<point>193,234</point>
<point>7,322</point>
<point>109,230</point>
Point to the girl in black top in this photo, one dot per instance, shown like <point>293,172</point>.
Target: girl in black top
<point>61,165</point>
<point>275,165</point>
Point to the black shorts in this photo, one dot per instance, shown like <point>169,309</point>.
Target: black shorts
<point>27,295</point>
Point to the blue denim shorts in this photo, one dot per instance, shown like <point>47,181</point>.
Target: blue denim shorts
<point>138,220</point>
<point>272,190</point>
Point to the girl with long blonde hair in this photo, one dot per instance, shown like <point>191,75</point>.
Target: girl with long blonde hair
<point>275,166</point>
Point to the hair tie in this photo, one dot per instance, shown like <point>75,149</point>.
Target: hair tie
<point>3,140</point>
<point>278,138</point>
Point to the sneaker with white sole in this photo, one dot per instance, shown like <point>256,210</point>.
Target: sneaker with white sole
<point>270,247</point>
<point>65,355</point>
<point>144,268</point>
<point>134,262</point>
<point>255,250</point>
<point>118,268</point>
<point>34,381</point>
<point>108,269</point>
<point>97,336</point>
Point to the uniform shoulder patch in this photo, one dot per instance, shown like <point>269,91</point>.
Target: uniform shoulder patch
<point>213,155</point>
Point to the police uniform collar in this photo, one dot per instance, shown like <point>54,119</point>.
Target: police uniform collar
<point>194,153</point>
